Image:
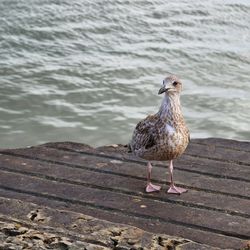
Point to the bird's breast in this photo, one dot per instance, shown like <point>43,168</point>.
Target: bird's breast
<point>172,143</point>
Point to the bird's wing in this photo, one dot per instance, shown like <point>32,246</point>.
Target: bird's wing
<point>145,133</point>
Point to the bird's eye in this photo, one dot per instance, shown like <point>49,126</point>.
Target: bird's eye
<point>175,83</point>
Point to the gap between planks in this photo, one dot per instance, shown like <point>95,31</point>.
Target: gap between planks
<point>159,165</point>
<point>119,174</point>
<point>128,192</point>
<point>127,160</point>
<point>199,236</point>
<point>186,153</point>
<point>129,214</point>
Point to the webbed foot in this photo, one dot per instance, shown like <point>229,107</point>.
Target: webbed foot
<point>152,188</point>
<point>176,190</point>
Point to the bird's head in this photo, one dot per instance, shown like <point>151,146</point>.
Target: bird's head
<point>171,85</point>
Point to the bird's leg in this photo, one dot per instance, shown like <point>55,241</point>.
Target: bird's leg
<point>173,189</point>
<point>150,187</point>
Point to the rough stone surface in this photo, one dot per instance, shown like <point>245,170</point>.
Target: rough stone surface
<point>44,229</point>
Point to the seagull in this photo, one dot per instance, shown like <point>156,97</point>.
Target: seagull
<point>163,136</point>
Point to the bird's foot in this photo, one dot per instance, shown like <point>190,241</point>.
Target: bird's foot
<point>176,190</point>
<point>152,188</point>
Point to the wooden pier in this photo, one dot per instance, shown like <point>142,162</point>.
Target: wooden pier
<point>70,194</point>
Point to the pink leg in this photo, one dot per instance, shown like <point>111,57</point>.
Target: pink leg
<point>151,187</point>
<point>173,189</point>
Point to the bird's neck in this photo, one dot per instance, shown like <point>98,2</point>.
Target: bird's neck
<point>170,109</point>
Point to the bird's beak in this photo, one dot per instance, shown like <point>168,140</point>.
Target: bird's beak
<point>162,90</point>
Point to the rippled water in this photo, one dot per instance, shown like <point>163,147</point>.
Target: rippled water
<point>88,71</point>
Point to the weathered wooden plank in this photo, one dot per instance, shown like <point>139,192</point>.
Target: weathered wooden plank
<point>108,183</point>
<point>147,224</point>
<point>213,168</point>
<point>218,153</point>
<point>224,143</point>
<point>190,180</point>
<point>124,184</point>
<point>46,228</point>
<point>211,221</point>
<point>209,167</point>
<point>221,150</point>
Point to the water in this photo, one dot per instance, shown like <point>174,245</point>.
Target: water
<point>88,71</point>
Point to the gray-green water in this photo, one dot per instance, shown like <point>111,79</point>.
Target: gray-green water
<point>88,71</point>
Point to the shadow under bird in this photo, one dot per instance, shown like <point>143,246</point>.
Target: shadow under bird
<point>163,136</point>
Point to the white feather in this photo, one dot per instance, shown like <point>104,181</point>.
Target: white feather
<point>169,129</point>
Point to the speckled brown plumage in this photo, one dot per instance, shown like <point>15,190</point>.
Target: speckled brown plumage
<point>164,135</point>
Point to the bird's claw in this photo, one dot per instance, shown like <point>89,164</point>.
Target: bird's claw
<point>152,188</point>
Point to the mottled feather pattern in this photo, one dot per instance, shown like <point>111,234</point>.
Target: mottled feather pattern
<point>164,135</point>
<point>146,133</point>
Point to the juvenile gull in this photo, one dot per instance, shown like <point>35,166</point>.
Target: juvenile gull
<point>163,136</point>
